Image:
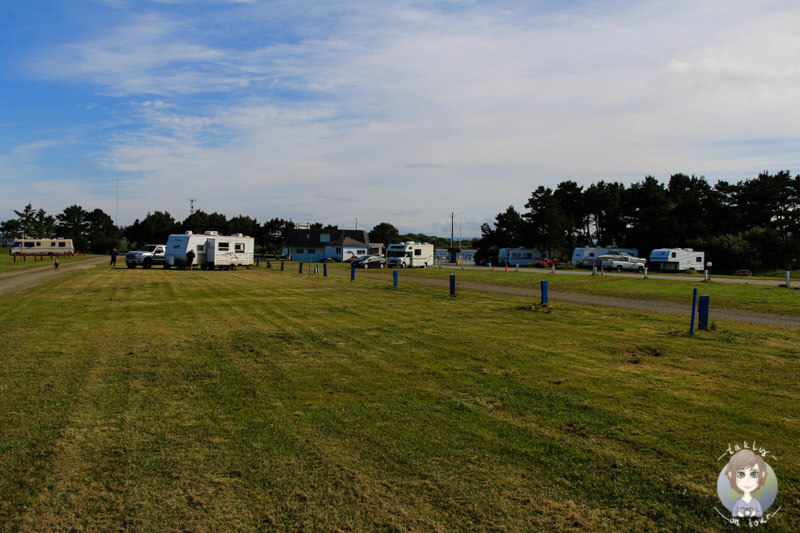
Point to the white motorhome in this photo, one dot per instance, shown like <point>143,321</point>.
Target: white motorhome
<point>43,246</point>
<point>519,256</point>
<point>211,250</point>
<point>589,256</point>
<point>410,255</point>
<point>677,259</point>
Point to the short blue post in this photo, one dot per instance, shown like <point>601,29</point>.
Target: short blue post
<point>352,274</point>
<point>694,311</point>
<point>258,261</point>
<point>545,295</point>
<point>452,284</point>
<point>702,321</point>
<point>325,270</point>
<point>269,263</point>
<point>281,266</point>
<point>301,268</point>
<point>395,278</point>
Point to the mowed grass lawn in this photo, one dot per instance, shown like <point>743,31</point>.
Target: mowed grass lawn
<point>261,400</point>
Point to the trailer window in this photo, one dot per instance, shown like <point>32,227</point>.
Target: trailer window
<point>239,247</point>
<point>312,251</point>
<point>200,247</point>
<point>298,251</point>
<point>674,254</point>
<point>62,244</point>
<point>699,260</point>
<point>418,251</point>
<point>224,246</point>
<point>28,244</point>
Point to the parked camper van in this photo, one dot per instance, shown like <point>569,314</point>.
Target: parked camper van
<point>589,256</point>
<point>211,250</point>
<point>43,246</point>
<point>519,256</point>
<point>676,259</point>
<point>409,255</point>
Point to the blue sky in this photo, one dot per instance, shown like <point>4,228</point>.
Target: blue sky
<point>399,111</point>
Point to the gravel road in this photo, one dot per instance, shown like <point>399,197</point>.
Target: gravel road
<point>669,308</point>
<point>18,280</point>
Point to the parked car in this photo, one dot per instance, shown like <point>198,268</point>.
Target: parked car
<point>370,261</point>
<point>623,262</point>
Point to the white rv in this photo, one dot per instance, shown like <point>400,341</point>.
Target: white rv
<point>519,256</point>
<point>677,259</point>
<point>211,250</point>
<point>410,255</point>
<point>589,256</point>
<point>48,246</point>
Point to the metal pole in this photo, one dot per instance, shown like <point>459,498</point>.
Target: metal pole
<point>452,284</point>
<point>395,278</point>
<point>694,311</point>
<point>545,293</point>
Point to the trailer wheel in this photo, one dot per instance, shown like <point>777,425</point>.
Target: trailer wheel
<point>619,268</point>
<point>640,270</point>
<point>129,265</point>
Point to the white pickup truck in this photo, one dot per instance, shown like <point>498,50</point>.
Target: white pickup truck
<point>623,262</point>
<point>149,255</point>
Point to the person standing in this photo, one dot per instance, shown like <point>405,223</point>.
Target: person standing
<point>56,264</point>
<point>190,258</point>
<point>114,254</point>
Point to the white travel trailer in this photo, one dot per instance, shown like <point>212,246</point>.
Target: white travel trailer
<point>211,250</point>
<point>677,259</point>
<point>519,256</point>
<point>589,256</point>
<point>410,255</point>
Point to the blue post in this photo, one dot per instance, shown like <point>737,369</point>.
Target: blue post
<point>325,270</point>
<point>545,295</point>
<point>694,311</point>
<point>301,268</point>
<point>702,321</point>
<point>452,284</point>
<point>395,278</point>
<point>281,266</point>
<point>352,274</point>
<point>258,261</point>
<point>269,263</point>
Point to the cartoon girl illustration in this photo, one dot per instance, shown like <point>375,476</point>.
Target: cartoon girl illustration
<point>746,473</point>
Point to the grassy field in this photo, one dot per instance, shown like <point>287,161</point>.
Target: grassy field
<point>261,400</point>
<point>759,298</point>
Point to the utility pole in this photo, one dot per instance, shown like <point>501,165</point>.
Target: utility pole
<point>451,229</point>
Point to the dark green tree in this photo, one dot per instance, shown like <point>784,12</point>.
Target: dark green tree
<point>384,233</point>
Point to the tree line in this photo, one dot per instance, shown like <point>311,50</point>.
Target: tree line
<point>752,224</point>
<point>94,231</point>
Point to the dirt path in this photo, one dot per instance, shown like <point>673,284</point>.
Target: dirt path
<point>18,280</point>
<point>669,308</point>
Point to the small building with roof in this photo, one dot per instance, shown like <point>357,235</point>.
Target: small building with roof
<point>314,245</point>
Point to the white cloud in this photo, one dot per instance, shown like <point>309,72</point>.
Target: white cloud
<point>413,110</point>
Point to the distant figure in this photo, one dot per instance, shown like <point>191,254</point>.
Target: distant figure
<point>190,258</point>
<point>114,254</point>
<point>56,264</point>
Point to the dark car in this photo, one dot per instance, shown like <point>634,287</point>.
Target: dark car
<point>370,261</point>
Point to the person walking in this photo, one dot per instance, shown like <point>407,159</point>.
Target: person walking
<point>114,254</point>
<point>56,264</point>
